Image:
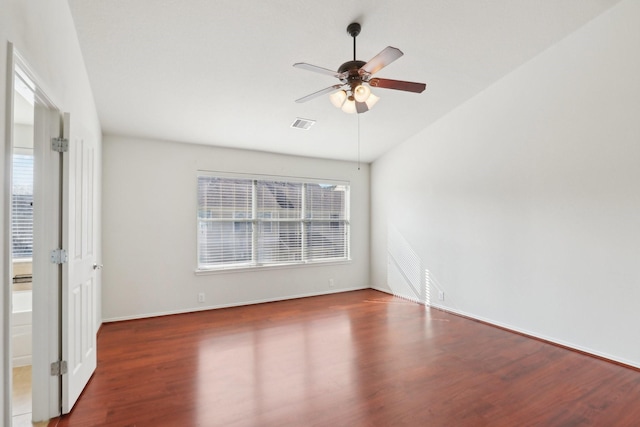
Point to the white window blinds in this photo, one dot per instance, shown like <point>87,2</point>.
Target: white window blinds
<point>224,221</point>
<point>260,222</point>
<point>279,211</point>
<point>326,214</point>
<point>22,206</point>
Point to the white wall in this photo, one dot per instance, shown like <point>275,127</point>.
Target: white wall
<point>524,203</point>
<point>150,229</point>
<point>43,32</point>
<point>23,136</point>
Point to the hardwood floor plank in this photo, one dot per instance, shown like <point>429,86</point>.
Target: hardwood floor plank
<point>360,358</point>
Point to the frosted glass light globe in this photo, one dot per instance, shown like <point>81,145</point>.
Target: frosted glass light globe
<point>338,98</point>
<point>349,106</point>
<point>361,93</point>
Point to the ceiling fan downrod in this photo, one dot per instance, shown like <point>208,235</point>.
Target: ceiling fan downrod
<point>354,29</point>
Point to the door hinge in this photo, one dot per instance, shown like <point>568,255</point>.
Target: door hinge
<point>58,368</point>
<point>61,145</point>
<point>59,256</point>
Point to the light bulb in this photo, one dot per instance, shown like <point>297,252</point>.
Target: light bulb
<point>349,106</point>
<point>338,98</point>
<point>361,93</point>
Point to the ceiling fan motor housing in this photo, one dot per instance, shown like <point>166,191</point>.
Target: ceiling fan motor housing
<point>352,76</point>
<point>351,68</point>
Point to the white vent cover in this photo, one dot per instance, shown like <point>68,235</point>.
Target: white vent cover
<point>300,123</point>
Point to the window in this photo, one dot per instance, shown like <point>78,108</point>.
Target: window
<point>249,222</point>
<point>22,206</point>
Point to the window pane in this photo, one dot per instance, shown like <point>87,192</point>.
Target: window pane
<point>279,200</point>
<point>324,201</point>
<point>222,243</point>
<point>326,239</point>
<point>228,241</point>
<point>224,198</point>
<point>279,242</point>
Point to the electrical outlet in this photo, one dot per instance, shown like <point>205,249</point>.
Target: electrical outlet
<point>441,295</point>
<point>201,297</point>
<point>331,283</point>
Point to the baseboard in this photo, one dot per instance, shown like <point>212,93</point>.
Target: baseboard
<point>18,361</point>
<point>554,341</point>
<point>404,297</point>
<point>386,291</point>
<point>490,322</point>
<point>510,328</point>
<point>235,304</point>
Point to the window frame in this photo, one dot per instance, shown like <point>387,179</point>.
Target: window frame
<point>256,221</point>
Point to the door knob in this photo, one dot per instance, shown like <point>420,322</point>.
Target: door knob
<point>97,266</point>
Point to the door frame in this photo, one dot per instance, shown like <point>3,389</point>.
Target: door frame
<point>45,311</point>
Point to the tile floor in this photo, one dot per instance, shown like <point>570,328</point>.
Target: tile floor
<point>22,398</point>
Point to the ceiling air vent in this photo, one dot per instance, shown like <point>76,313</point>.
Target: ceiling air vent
<point>300,123</point>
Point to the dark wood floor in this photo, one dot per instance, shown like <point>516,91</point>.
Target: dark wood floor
<point>360,358</point>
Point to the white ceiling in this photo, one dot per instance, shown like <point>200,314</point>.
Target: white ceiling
<point>220,72</point>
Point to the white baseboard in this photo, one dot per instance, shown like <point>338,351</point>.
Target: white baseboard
<point>18,361</point>
<point>525,332</point>
<point>542,337</point>
<point>387,291</point>
<point>235,304</point>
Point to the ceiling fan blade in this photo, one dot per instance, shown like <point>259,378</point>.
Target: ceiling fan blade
<point>315,68</point>
<point>381,60</point>
<point>319,93</point>
<point>398,85</point>
<point>361,107</point>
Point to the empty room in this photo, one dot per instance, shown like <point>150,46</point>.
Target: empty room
<point>366,213</point>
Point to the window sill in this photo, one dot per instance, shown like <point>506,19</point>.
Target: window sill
<point>244,269</point>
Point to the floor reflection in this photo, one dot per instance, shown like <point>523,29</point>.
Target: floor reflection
<point>274,363</point>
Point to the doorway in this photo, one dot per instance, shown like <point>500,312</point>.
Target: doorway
<point>34,282</point>
<point>64,268</point>
<point>22,161</point>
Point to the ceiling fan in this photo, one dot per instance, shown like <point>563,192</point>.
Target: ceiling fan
<point>353,94</point>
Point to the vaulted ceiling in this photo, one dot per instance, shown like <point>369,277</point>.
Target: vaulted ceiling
<point>220,72</point>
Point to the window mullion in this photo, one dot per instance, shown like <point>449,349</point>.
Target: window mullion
<point>254,222</point>
<point>303,225</point>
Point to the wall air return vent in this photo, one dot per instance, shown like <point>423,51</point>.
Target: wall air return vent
<point>300,123</point>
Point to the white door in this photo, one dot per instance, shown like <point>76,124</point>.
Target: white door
<point>79,273</point>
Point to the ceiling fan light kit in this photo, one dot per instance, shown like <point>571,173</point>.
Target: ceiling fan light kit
<point>353,93</point>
